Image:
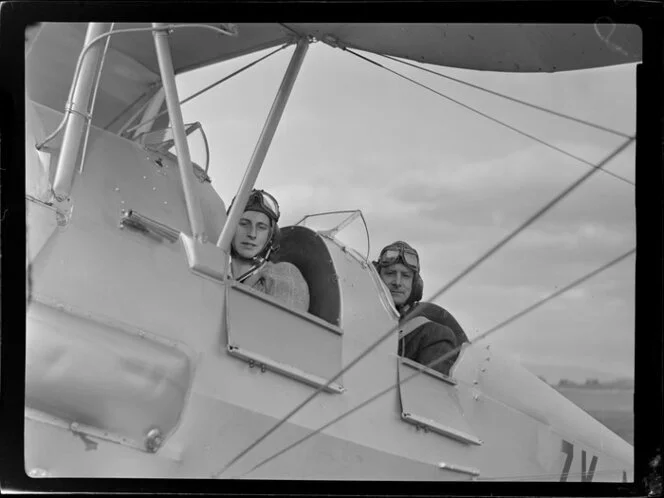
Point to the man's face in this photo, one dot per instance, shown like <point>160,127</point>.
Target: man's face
<point>399,280</point>
<point>252,233</point>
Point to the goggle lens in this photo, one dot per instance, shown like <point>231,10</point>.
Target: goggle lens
<point>411,259</point>
<point>391,256</point>
<point>266,201</point>
<point>270,203</point>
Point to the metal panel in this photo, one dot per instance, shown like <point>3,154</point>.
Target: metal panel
<point>37,163</point>
<point>499,378</point>
<point>93,264</point>
<point>100,375</point>
<point>426,370</point>
<point>428,402</point>
<point>205,259</point>
<point>41,221</point>
<point>281,336</point>
<point>439,428</point>
<point>264,363</point>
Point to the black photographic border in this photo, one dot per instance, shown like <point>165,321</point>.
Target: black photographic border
<point>648,399</point>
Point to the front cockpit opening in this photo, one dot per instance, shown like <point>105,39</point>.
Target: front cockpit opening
<point>306,249</point>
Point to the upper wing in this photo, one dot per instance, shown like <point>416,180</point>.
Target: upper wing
<point>492,47</point>
<point>131,73</point>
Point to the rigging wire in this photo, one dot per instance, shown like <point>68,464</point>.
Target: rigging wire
<point>289,29</point>
<point>437,294</point>
<point>532,137</point>
<point>513,99</point>
<point>447,355</point>
<point>209,87</point>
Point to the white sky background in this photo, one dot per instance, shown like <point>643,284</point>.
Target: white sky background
<point>452,184</point>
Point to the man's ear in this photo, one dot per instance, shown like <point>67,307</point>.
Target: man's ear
<point>417,289</point>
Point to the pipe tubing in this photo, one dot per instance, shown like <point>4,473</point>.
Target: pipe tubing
<point>77,117</point>
<point>177,125</point>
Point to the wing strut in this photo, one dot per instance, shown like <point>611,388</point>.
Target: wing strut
<point>263,144</point>
<point>177,124</point>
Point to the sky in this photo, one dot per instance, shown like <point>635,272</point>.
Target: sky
<point>452,184</point>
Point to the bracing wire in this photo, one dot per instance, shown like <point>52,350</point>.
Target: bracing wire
<point>283,25</point>
<point>209,87</point>
<point>444,357</point>
<point>502,123</point>
<point>436,295</point>
<point>513,99</point>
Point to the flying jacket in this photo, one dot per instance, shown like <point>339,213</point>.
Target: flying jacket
<point>433,339</point>
<point>284,282</point>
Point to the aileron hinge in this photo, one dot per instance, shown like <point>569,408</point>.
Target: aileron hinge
<point>440,429</point>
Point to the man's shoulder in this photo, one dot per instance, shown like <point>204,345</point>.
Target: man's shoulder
<point>432,332</point>
<point>440,315</point>
<point>285,281</point>
<point>282,269</point>
<point>431,311</point>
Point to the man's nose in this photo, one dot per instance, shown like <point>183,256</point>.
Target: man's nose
<point>397,279</point>
<point>251,233</point>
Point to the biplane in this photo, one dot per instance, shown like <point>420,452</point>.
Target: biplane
<point>144,359</point>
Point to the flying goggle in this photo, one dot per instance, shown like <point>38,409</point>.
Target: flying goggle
<point>260,200</point>
<point>392,255</point>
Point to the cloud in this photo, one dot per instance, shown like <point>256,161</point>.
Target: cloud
<point>453,184</point>
<point>509,188</point>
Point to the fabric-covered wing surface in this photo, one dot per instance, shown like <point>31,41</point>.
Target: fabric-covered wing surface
<point>131,73</point>
<point>492,47</point>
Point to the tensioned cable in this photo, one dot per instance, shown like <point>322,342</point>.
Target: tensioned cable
<point>447,355</point>
<point>436,295</point>
<point>289,29</point>
<point>225,78</point>
<point>513,99</point>
<point>532,137</point>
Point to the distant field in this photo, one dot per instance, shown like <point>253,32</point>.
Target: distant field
<point>612,407</point>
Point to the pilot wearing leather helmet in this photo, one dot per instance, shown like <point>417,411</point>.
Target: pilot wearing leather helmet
<point>255,240</point>
<point>399,267</point>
